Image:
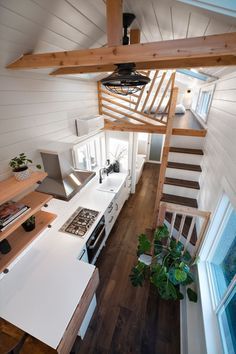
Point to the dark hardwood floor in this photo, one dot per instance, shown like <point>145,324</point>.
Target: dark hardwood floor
<point>128,319</point>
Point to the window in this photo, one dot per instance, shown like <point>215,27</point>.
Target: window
<point>91,153</point>
<point>221,269</point>
<point>204,101</point>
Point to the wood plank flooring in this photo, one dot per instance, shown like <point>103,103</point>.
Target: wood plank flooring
<point>127,319</point>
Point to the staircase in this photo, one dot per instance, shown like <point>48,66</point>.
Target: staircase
<point>181,183</point>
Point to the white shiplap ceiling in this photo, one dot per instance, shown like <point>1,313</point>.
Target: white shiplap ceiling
<point>54,25</point>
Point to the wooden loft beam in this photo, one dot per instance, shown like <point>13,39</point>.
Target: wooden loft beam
<point>161,65</point>
<point>159,129</point>
<point>127,127</point>
<point>188,48</point>
<point>114,22</point>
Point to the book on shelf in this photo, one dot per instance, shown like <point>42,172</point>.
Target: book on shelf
<point>9,212</point>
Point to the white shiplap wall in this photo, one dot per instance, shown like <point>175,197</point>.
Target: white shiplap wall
<point>219,162</point>
<point>36,109</point>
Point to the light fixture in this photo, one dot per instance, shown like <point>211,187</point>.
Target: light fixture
<point>125,80</point>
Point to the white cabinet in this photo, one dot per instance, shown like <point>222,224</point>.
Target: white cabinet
<point>87,317</point>
<point>116,205</point>
<point>110,216</point>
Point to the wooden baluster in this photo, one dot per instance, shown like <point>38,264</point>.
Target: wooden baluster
<point>182,222</point>
<point>141,93</point>
<point>190,231</point>
<point>150,90</point>
<point>172,224</point>
<point>170,81</point>
<point>157,91</point>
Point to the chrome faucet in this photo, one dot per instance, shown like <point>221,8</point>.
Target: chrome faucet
<point>108,169</point>
<point>101,172</point>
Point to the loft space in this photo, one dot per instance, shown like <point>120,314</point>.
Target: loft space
<point>90,170</point>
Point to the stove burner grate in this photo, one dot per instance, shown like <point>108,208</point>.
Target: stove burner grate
<point>80,222</point>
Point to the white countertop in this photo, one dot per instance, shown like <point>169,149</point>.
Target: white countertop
<point>40,293</point>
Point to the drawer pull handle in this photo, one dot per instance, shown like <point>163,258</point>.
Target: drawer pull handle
<point>117,207</point>
<point>110,208</point>
<point>82,254</point>
<point>111,219</point>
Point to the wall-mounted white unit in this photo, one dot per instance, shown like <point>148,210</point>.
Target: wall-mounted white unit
<point>89,125</point>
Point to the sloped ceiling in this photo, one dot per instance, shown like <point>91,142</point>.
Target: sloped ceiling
<point>55,25</point>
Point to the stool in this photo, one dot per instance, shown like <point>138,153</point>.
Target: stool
<point>11,338</point>
<point>34,346</point>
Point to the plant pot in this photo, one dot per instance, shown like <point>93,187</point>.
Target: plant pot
<point>116,166</point>
<point>5,247</point>
<point>21,173</point>
<point>29,225</point>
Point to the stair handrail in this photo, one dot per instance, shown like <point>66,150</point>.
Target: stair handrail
<point>165,152</point>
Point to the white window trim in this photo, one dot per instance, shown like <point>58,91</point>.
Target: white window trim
<point>208,87</point>
<point>85,141</point>
<point>208,300</point>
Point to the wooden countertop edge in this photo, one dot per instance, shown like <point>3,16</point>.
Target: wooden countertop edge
<point>73,327</point>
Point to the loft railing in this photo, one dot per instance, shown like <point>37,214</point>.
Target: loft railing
<point>185,224</point>
<point>149,107</point>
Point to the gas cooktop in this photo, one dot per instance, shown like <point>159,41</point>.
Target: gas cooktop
<point>80,222</point>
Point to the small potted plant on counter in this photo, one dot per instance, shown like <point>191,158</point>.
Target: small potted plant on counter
<point>118,155</point>
<point>29,224</point>
<point>169,267</point>
<point>19,165</point>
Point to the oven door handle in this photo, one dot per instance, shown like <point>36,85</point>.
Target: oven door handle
<point>97,239</point>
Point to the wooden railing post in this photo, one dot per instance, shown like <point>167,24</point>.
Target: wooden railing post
<point>165,153</point>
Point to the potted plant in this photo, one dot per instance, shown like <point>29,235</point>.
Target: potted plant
<point>29,224</point>
<point>169,267</point>
<point>19,165</point>
<point>118,155</point>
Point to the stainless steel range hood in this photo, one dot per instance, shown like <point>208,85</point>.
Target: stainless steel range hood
<point>63,181</point>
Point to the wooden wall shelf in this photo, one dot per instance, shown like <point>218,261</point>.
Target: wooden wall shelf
<point>35,200</point>
<point>20,239</point>
<point>10,187</point>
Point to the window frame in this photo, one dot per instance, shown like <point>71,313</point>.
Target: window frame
<point>204,89</point>
<point>85,142</point>
<point>210,308</point>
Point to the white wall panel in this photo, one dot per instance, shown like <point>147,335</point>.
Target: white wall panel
<point>219,160</point>
<point>35,109</point>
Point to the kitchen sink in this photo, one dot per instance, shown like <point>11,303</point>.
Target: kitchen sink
<point>111,183</point>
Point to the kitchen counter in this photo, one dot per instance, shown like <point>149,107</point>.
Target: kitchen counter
<point>41,292</point>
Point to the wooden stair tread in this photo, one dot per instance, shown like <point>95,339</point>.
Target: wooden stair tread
<point>184,166</point>
<point>186,150</point>
<point>186,227</point>
<point>182,183</point>
<point>175,199</point>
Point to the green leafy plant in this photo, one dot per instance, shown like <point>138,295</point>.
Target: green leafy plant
<point>29,224</point>
<point>168,268</point>
<point>20,162</point>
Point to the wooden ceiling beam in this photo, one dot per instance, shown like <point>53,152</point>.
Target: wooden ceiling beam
<point>188,48</point>
<point>161,65</point>
<point>114,10</point>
